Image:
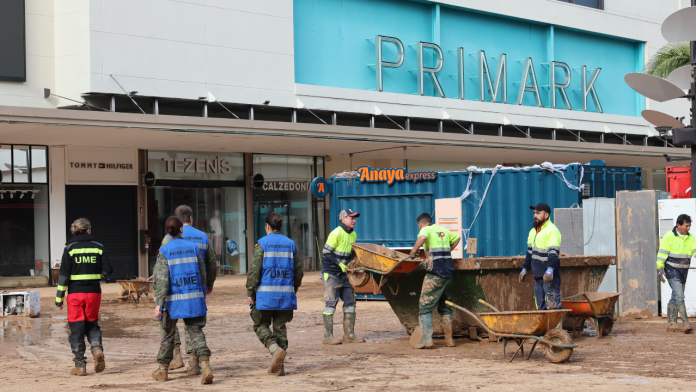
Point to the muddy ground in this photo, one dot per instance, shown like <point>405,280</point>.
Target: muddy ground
<point>35,355</point>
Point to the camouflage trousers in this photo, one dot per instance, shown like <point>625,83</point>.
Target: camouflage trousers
<point>436,290</point>
<point>195,338</point>
<point>177,339</point>
<point>262,326</point>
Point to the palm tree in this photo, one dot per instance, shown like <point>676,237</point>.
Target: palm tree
<point>668,58</point>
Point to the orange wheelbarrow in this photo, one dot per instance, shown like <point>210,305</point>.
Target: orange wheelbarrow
<point>597,308</point>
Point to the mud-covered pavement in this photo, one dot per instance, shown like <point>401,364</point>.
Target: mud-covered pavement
<point>35,355</point>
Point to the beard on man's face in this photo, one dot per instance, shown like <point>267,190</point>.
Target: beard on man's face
<point>537,222</point>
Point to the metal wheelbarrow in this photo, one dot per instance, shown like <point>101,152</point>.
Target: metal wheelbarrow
<point>597,308</point>
<point>519,327</point>
<point>374,259</point>
<point>134,289</point>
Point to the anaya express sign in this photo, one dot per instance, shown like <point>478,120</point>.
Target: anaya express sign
<point>390,175</point>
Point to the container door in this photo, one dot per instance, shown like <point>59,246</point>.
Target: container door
<point>637,241</point>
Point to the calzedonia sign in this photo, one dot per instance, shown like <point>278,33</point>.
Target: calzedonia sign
<point>391,175</point>
<point>496,86</point>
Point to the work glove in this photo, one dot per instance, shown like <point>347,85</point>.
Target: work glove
<point>661,275</point>
<point>522,274</point>
<point>548,275</point>
<point>413,254</point>
<point>343,267</point>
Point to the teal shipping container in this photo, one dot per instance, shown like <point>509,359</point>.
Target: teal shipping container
<point>495,203</point>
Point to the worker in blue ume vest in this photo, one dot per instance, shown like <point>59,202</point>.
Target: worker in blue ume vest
<point>191,234</point>
<point>677,247</point>
<point>180,289</point>
<point>543,249</point>
<point>274,277</point>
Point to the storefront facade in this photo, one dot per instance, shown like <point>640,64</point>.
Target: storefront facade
<point>293,90</point>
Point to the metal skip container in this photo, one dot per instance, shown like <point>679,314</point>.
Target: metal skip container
<point>495,211</point>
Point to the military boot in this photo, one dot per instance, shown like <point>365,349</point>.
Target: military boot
<point>328,331</point>
<point>447,327</point>
<point>162,372</point>
<point>672,318</point>
<point>207,377</point>
<point>686,327</point>
<point>194,367</point>
<point>177,361</point>
<point>422,336</point>
<point>278,360</point>
<point>349,329</point>
<point>79,371</point>
<point>99,362</point>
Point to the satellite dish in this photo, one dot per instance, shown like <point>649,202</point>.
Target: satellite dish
<point>680,25</point>
<point>653,87</point>
<point>660,119</point>
<point>681,77</point>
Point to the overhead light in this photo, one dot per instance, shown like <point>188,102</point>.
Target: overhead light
<point>664,132</point>
<point>266,102</point>
<point>2,195</point>
<point>328,158</point>
<point>11,195</point>
<point>132,93</point>
<point>33,193</point>
<point>21,195</point>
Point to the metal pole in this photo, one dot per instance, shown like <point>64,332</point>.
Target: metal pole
<point>334,119</point>
<point>408,124</point>
<point>155,106</point>
<point>205,110</point>
<point>294,115</point>
<point>112,103</point>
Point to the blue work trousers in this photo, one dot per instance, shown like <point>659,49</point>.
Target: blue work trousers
<point>547,295</point>
<point>676,277</point>
<point>338,287</point>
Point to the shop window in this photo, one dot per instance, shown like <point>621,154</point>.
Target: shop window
<point>286,191</point>
<point>24,242</point>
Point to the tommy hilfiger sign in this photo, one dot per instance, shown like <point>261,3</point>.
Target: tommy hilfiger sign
<point>94,165</point>
<point>101,166</point>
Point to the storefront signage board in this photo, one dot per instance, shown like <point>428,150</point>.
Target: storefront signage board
<point>391,175</point>
<point>185,165</point>
<point>101,166</point>
<point>285,186</point>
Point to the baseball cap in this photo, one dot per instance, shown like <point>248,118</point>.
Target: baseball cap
<point>541,207</point>
<point>347,212</point>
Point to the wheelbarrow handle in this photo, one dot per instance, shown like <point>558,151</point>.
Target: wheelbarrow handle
<point>489,305</point>
<point>472,314</point>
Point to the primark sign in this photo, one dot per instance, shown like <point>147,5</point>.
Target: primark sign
<point>495,83</point>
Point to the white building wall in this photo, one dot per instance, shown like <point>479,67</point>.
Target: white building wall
<point>56,190</point>
<point>241,51</point>
<point>40,58</point>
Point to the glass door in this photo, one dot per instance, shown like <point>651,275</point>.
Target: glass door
<point>218,212</point>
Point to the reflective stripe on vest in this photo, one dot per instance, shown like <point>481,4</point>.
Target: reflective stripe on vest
<point>86,277</point>
<point>186,297</point>
<point>276,289</point>
<point>191,234</point>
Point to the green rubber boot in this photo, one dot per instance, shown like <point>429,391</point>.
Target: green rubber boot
<point>422,336</point>
<point>447,327</point>
<point>672,318</point>
<point>328,331</point>
<point>686,327</point>
<point>349,329</point>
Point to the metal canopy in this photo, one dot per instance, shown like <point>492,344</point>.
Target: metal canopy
<point>653,87</point>
<point>680,26</point>
<point>681,77</point>
<point>660,119</point>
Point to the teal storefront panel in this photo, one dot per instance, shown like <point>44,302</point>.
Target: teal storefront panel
<point>335,47</point>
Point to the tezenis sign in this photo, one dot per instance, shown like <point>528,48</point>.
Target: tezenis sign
<point>497,86</point>
<point>390,175</point>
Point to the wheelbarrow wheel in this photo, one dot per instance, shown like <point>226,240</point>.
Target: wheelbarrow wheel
<point>607,325</point>
<point>358,278</point>
<point>555,354</point>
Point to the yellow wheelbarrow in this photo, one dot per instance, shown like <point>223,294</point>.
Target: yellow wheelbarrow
<point>519,327</point>
<point>134,289</point>
<point>597,308</point>
<point>374,259</point>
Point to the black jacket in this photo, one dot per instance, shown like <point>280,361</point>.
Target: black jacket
<point>83,265</point>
